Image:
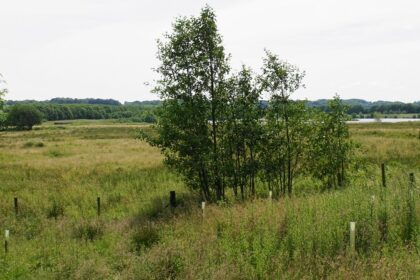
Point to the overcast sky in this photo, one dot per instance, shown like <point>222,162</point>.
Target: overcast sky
<point>366,49</point>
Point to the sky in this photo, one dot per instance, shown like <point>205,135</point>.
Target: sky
<point>368,49</point>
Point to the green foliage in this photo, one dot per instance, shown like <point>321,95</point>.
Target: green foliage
<point>68,111</point>
<point>287,125</point>
<point>24,116</point>
<point>241,133</point>
<point>192,69</point>
<point>214,131</point>
<point>330,147</point>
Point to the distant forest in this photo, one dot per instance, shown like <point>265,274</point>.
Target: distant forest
<point>90,108</point>
<point>360,106</point>
<point>143,111</point>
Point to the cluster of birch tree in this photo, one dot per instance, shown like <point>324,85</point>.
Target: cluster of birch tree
<point>214,130</point>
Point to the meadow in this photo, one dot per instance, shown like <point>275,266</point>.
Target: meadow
<point>58,171</point>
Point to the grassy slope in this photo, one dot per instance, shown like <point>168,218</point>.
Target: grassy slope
<point>57,234</point>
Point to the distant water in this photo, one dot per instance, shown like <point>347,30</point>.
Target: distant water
<point>383,120</point>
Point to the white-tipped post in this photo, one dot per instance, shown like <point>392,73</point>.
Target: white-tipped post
<point>270,195</point>
<point>6,244</point>
<point>203,207</point>
<point>352,237</point>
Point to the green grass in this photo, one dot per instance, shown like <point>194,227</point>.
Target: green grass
<point>58,235</point>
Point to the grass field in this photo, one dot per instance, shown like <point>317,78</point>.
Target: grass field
<point>58,171</point>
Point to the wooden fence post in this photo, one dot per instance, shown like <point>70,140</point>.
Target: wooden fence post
<point>411,181</point>
<point>98,205</point>
<point>172,199</point>
<point>383,175</point>
<point>15,201</point>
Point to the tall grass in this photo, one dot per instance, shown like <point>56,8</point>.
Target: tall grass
<point>58,235</point>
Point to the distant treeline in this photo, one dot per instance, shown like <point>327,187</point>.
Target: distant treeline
<point>64,100</point>
<point>87,101</point>
<point>143,111</point>
<point>52,110</point>
<point>360,106</point>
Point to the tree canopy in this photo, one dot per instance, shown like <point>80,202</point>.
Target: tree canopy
<point>24,116</point>
<point>214,131</point>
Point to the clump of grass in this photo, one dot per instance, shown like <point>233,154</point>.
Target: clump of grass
<point>144,237</point>
<point>55,153</point>
<point>89,230</point>
<point>114,198</point>
<point>55,210</point>
<point>31,144</point>
<point>156,208</point>
<point>166,264</point>
<point>171,267</point>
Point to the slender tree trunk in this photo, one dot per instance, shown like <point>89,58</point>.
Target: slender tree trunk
<point>252,180</point>
<point>218,183</point>
<point>288,146</point>
<point>205,183</point>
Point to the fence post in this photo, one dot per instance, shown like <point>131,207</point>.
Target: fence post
<point>6,240</point>
<point>98,205</point>
<point>383,175</point>
<point>270,195</point>
<point>172,199</point>
<point>15,202</point>
<point>372,205</point>
<point>411,181</point>
<point>352,237</point>
<point>203,207</point>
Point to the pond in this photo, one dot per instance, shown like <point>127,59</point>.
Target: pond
<point>388,120</point>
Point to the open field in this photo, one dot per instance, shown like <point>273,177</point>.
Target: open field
<point>58,171</point>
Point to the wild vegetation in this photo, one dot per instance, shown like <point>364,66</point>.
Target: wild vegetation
<point>282,181</point>
<point>212,129</point>
<point>57,172</point>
